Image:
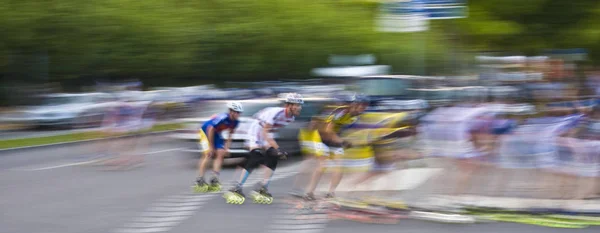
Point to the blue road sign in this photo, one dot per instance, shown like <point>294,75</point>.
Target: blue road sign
<point>445,9</point>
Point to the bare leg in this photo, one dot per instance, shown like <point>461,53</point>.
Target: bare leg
<point>317,174</point>
<point>218,162</point>
<point>202,164</point>
<point>467,169</point>
<point>267,175</point>
<point>306,170</point>
<point>336,178</point>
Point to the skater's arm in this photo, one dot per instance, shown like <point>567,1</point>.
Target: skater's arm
<point>265,134</point>
<point>229,138</point>
<point>331,134</point>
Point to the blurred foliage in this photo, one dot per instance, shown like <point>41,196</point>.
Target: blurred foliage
<point>532,26</point>
<point>164,42</point>
<point>233,39</point>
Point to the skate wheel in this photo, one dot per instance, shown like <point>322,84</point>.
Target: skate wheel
<point>234,199</point>
<point>214,188</point>
<point>200,189</point>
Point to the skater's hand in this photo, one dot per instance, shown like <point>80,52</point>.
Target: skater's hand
<point>210,152</point>
<point>282,154</point>
<point>346,144</point>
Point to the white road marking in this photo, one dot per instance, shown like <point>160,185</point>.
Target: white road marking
<point>87,162</point>
<point>143,230</point>
<point>59,166</point>
<point>186,200</point>
<point>300,221</point>
<point>172,210</point>
<point>157,224</point>
<point>291,227</point>
<point>288,220</point>
<point>163,151</point>
<point>162,219</point>
<point>168,214</point>
<point>165,215</point>
<point>180,204</point>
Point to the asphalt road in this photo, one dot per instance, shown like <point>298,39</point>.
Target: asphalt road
<point>54,190</point>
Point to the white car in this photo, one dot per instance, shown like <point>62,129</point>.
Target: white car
<point>72,110</point>
<point>286,137</point>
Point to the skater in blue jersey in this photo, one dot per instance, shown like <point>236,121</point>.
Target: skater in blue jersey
<point>213,145</point>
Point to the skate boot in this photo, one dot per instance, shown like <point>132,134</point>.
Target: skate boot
<point>235,196</point>
<point>329,196</point>
<point>201,186</point>
<point>262,196</point>
<point>215,185</point>
<point>309,197</point>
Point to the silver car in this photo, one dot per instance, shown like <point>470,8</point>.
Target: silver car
<point>286,137</point>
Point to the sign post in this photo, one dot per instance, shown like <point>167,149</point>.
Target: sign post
<point>405,16</point>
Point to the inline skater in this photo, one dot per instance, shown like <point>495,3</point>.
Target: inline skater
<point>264,150</point>
<point>125,119</point>
<point>395,146</point>
<point>212,145</point>
<point>332,123</point>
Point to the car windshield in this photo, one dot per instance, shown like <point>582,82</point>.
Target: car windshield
<point>440,94</point>
<point>210,108</point>
<point>253,107</point>
<point>383,86</point>
<point>58,100</point>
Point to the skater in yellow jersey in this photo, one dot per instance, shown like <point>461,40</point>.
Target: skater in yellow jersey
<point>329,145</point>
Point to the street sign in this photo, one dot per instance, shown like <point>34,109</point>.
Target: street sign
<point>445,9</point>
<point>568,54</point>
<point>402,16</point>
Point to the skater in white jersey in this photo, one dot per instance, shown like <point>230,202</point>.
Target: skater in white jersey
<point>264,150</point>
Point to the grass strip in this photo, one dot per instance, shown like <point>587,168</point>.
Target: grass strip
<point>38,141</point>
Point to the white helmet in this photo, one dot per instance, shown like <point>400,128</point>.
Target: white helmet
<point>293,98</point>
<point>235,106</point>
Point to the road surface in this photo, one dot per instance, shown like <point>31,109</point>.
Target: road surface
<point>53,190</point>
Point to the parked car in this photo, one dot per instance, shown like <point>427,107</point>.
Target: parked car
<point>70,110</point>
<point>286,137</point>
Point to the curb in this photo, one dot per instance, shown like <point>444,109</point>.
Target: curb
<point>84,141</point>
